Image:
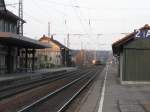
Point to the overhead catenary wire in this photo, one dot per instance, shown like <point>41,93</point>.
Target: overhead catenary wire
<point>31,16</point>
<point>41,21</point>
<point>88,23</point>
<point>92,8</point>
<point>51,8</point>
<point>45,8</point>
<point>37,20</point>
<point>79,17</point>
<point>90,30</point>
<point>82,19</point>
<point>58,3</point>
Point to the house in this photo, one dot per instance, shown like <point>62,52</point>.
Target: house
<point>133,54</point>
<point>14,48</point>
<point>57,55</point>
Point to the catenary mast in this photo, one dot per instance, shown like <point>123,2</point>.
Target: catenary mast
<point>20,23</point>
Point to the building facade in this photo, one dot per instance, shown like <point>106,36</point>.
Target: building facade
<point>57,55</point>
<point>15,49</point>
<point>133,54</point>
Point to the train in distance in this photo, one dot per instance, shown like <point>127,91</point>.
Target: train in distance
<point>96,62</point>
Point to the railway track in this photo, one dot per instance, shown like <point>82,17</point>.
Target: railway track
<point>58,91</point>
<point>59,99</point>
<point>22,87</point>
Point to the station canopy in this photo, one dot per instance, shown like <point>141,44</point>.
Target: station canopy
<point>11,39</point>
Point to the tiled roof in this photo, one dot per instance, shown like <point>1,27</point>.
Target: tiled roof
<point>53,40</point>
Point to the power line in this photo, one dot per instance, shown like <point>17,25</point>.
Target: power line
<point>93,8</point>
<point>90,29</point>
<point>42,8</point>
<point>79,17</point>
<point>56,3</point>
<point>49,28</point>
<point>30,16</point>
<point>89,25</point>
<point>71,34</point>
<point>67,5</point>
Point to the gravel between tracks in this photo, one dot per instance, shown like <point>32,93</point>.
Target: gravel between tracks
<point>19,101</point>
<point>88,100</point>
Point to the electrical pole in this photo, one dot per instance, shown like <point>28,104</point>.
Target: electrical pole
<point>49,32</point>
<point>89,22</point>
<point>68,40</point>
<point>82,53</point>
<point>85,55</point>
<point>65,41</point>
<point>20,23</point>
<point>95,54</point>
<point>81,45</point>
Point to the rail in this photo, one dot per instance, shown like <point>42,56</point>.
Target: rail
<point>45,98</point>
<point>19,88</point>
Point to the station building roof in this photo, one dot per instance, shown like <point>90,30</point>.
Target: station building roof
<point>11,39</point>
<point>7,14</point>
<point>118,45</point>
<point>54,41</point>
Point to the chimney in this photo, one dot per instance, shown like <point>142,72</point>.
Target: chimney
<point>146,26</point>
<point>44,35</point>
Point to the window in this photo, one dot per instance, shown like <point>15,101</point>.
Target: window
<point>6,26</point>
<point>2,5</point>
<point>11,27</point>
<point>1,25</point>
<point>2,64</point>
<point>45,58</point>
<point>15,28</point>
<point>50,58</point>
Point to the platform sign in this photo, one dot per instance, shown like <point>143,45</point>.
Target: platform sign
<point>142,34</point>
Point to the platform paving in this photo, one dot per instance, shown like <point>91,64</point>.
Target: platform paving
<point>91,98</point>
<point>117,97</point>
<point>37,73</point>
<point>124,98</point>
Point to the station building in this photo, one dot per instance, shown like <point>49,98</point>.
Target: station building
<point>133,54</point>
<point>15,49</point>
<point>57,55</point>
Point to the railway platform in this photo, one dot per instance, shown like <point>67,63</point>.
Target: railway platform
<point>124,98</point>
<point>8,78</point>
<point>111,96</point>
<point>107,94</point>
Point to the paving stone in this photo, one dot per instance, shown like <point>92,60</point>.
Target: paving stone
<point>131,108</point>
<point>127,102</point>
<point>124,94</point>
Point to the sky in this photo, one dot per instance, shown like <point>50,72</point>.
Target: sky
<point>99,22</point>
